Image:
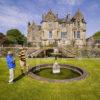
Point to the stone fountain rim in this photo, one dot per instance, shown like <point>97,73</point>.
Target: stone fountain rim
<point>82,72</point>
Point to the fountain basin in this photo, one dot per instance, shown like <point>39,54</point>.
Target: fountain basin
<point>68,73</point>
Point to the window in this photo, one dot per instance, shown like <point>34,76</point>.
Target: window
<point>74,23</point>
<point>43,34</point>
<point>74,34</point>
<point>50,34</point>
<point>63,25</point>
<point>63,34</point>
<point>57,33</point>
<point>50,24</point>
<point>78,34</point>
<point>78,24</point>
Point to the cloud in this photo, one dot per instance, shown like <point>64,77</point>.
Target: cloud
<point>94,6</point>
<point>93,10</point>
<point>70,2</point>
<point>14,17</point>
<point>73,2</point>
<point>45,1</point>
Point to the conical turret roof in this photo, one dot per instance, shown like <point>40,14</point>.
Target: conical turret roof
<point>78,15</point>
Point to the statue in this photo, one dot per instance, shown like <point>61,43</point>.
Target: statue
<point>56,67</point>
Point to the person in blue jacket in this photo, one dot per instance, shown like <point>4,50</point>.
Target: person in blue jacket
<point>11,66</point>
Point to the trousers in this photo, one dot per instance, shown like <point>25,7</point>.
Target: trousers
<point>11,75</point>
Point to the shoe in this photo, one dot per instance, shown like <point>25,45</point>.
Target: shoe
<point>10,82</point>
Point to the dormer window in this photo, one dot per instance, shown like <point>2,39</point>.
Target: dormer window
<point>78,24</point>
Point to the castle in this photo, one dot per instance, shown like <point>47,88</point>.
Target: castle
<point>58,31</point>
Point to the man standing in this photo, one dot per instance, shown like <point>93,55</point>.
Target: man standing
<point>22,60</point>
<point>11,66</point>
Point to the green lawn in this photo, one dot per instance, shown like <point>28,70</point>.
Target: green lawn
<point>27,88</point>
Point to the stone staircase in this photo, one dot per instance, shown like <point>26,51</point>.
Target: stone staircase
<point>69,51</point>
<point>35,52</point>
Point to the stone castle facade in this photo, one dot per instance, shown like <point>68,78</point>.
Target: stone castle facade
<point>58,31</point>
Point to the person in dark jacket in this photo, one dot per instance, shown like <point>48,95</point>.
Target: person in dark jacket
<point>11,66</point>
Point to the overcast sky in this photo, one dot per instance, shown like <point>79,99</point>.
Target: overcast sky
<point>17,13</point>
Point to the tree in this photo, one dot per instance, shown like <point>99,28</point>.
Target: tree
<point>96,35</point>
<point>16,37</point>
<point>2,38</point>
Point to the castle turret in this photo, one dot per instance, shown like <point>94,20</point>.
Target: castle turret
<point>79,28</point>
<point>68,17</point>
<point>50,16</point>
<point>78,15</point>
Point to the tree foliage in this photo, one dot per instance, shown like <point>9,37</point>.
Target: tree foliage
<point>2,38</point>
<point>16,37</point>
<point>96,35</point>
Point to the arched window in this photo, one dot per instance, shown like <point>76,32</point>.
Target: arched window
<point>50,34</point>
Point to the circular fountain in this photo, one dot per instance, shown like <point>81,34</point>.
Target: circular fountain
<point>57,72</point>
